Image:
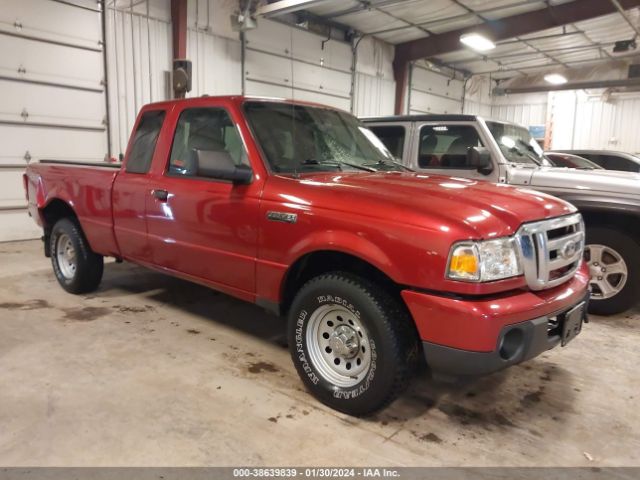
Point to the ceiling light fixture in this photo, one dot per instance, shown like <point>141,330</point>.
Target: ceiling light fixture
<point>555,79</point>
<point>477,42</point>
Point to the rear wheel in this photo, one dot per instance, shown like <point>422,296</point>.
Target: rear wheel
<point>352,343</point>
<point>77,268</point>
<point>614,266</point>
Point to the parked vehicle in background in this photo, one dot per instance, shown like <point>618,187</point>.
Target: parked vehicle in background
<point>467,146</point>
<point>609,159</point>
<point>300,209</point>
<point>569,160</point>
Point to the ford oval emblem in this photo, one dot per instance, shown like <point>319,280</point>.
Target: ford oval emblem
<point>568,250</point>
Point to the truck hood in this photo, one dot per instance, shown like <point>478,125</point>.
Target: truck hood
<point>488,210</point>
<point>585,180</point>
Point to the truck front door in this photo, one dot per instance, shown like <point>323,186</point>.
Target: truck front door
<point>131,187</point>
<point>200,226</point>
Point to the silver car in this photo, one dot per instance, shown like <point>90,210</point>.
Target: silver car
<point>609,159</point>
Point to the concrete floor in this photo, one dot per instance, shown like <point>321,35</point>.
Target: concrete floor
<point>151,370</point>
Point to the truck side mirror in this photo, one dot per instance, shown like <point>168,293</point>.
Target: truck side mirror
<point>480,158</point>
<point>219,164</point>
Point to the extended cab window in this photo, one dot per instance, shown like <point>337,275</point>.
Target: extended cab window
<point>209,129</point>
<point>446,146</point>
<point>144,141</point>
<point>392,136</point>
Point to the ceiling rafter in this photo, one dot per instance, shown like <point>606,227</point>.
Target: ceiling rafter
<point>510,27</point>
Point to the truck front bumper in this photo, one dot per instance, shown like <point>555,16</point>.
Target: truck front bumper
<point>481,336</point>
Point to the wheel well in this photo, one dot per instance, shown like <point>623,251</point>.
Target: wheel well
<point>324,261</point>
<point>620,221</point>
<point>54,211</point>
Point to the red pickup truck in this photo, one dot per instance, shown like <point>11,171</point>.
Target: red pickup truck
<point>300,209</point>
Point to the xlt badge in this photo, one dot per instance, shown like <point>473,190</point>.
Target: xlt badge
<point>282,217</point>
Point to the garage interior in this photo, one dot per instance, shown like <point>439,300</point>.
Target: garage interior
<point>155,371</point>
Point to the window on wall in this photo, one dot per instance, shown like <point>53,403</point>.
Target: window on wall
<point>392,136</point>
<point>204,129</point>
<point>446,146</point>
<point>144,141</point>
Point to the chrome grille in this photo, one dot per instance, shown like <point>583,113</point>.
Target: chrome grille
<point>551,250</point>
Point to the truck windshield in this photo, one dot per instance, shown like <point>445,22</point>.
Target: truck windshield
<point>301,138</point>
<point>517,144</point>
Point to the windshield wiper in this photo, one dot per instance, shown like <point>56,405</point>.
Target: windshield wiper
<point>520,153</point>
<point>366,168</point>
<point>529,152</point>
<point>387,163</point>
<point>313,161</point>
<point>338,164</point>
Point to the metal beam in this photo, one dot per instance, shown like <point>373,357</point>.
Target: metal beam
<point>501,29</point>
<point>179,28</point>
<point>509,27</point>
<point>627,82</point>
<point>282,7</point>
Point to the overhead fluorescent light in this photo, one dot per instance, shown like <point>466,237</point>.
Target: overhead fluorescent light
<point>478,42</point>
<point>555,79</point>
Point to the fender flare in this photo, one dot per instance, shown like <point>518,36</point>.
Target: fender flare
<point>346,242</point>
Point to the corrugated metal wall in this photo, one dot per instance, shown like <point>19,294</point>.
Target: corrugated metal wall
<point>213,48</point>
<point>595,120</point>
<point>525,109</point>
<point>374,83</point>
<point>477,99</point>
<point>138,61</point>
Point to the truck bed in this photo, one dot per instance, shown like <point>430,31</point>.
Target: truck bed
<point>86,187</point>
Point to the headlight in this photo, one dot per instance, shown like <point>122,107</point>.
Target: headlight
<point>484,261</point>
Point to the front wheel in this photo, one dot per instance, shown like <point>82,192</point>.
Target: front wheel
<point>352,343</point>
<point>614,266</point>
<point>77,268</point>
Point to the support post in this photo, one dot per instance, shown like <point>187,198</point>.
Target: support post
<point>179,33</point>
<point>401,76</point>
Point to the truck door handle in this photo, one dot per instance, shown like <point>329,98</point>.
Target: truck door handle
<point>161,195</point>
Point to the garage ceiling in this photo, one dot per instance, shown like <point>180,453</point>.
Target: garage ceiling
<point>399,21</point>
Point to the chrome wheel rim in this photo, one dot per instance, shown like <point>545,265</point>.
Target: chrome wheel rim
<point>608,271</point>
<point>66,256</point>
<point>338,345</point>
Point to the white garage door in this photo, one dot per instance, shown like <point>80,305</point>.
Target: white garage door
<point>433,92</point>
<point>282,61</point>
<point>52,98</point>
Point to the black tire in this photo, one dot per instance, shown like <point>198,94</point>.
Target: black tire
<point>629,250</point>
<point>88,269</point>
<point>389,331</point>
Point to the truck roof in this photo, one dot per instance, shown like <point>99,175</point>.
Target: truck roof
<point>422,118</point>
<point>237,99</point>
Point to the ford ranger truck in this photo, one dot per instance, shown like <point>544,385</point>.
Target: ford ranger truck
<point>507,154</point>
<point>301,210</point>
